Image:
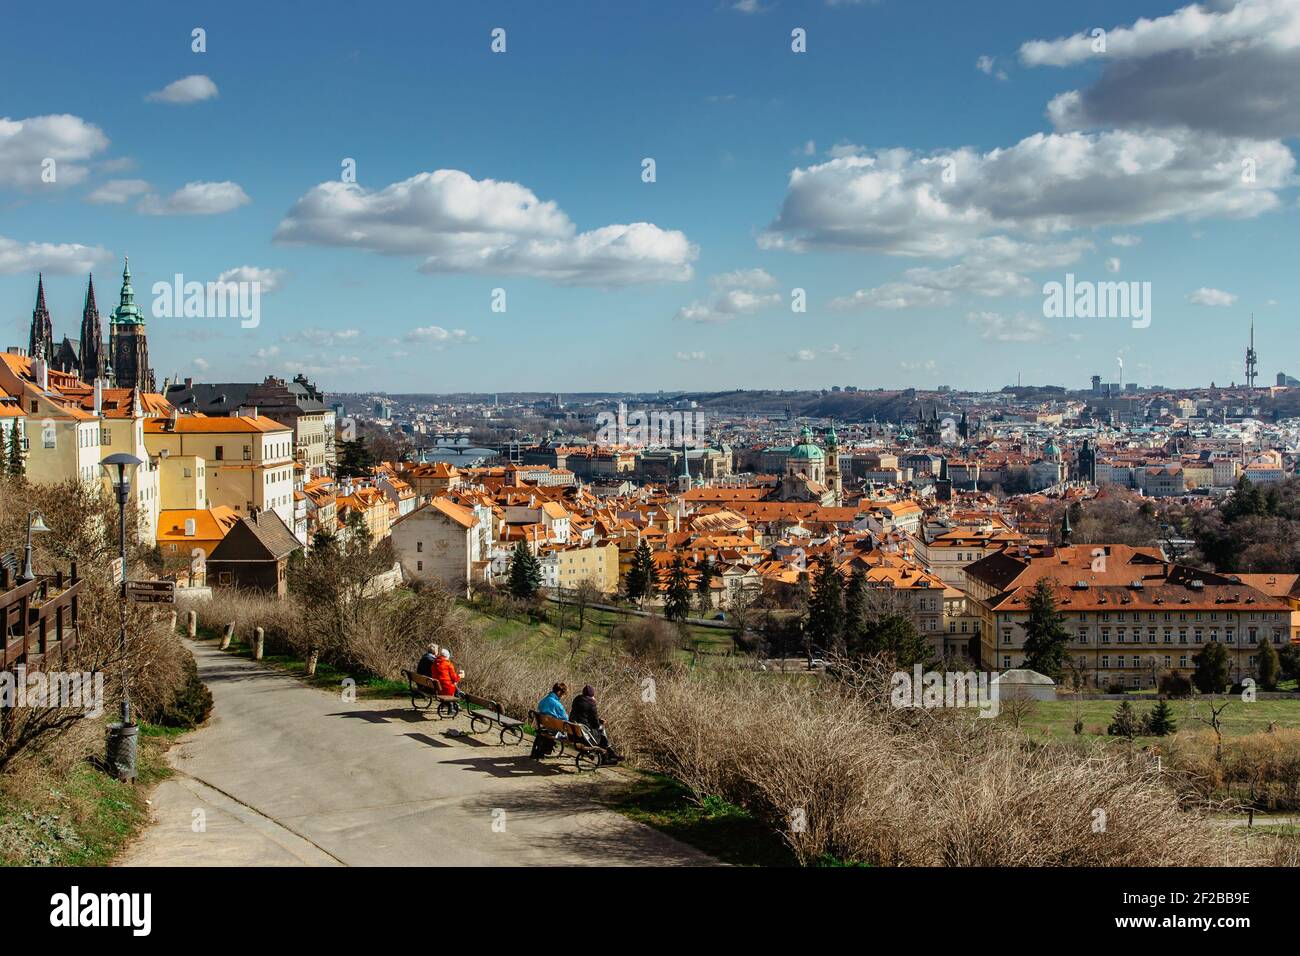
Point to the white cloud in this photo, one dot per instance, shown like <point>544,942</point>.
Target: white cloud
<point>196,199</point>
<point>811,355</point>
<point>437,336</point>
<point>988,66</point>
<point>692,357</point>
<point>460,224</point>
<point>26,143</point>
<point>1112,264</point>
<point>996,327</point>
<point>190,89</point>
<point>60,258</point>
<point>1232,68</point>
<point>896,202</point>
<point>804,355</point>
<point>744,292</point>
<point>268,279</point>
<point>118,191</point>
<point>201,364</point>
<point>1127,241</point>
<point>1208,296</point>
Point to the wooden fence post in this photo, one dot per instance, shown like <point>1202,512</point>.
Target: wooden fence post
<point>227,635</point>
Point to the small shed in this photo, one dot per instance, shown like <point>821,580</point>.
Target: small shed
<point>1020,683</point>
<point>254,554</point>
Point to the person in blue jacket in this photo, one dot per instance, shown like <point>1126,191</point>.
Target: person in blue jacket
<point>552,705</point>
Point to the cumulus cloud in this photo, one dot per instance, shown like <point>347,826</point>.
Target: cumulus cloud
<point>118,191</point>
<point>460,224</point>
<point>1125,240</point>
<point>1208,296</point>
<point>60,258</point>
<point>734,294</point>
<point>996,327</point>
<point>267,279</point>
<point>1231,68</point>
<point>25,144</point>
<point>328,337</point>
<point>691,356</point>
<point>812,355</point>
<point>437,336</point>
<point>897,202</point>
<point>189,89</point>
<point>196,199</point>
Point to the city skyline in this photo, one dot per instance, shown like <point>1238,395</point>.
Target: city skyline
<point>921,188</point>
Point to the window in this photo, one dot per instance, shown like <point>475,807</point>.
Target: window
<point>221,453</point>
<point>419,565</point>
<point>419,546</point>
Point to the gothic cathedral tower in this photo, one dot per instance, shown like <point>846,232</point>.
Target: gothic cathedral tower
<point>40,344</point>
<point>833,477</point>
<point>91,346</point>
<point>128,349</point>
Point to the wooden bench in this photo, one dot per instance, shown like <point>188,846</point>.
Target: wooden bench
<point>483,713</point>
<point>586,756</point>
<point>425,692</point>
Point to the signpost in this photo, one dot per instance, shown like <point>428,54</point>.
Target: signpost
<point>151,592</point>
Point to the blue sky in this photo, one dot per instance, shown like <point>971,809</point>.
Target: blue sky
<point>387,284</point>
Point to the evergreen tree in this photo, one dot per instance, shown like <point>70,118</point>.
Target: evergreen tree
<point>1211,674</point>
<point>1160,722</point>
<point>641,577</point>
<point>897,636</point>
<point>855,611</point>
<point>1268,665</point>
<point>1125,722</point>
<point>704,584</point>
<point>826,607</point>
<point>4,456</point>
<point>677,601</point>
<point>524,573</point>
<point>354,459</point>
<point>16,465</point>
<point>1045,633</point>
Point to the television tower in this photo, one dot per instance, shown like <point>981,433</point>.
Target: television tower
<point>1251,358</point>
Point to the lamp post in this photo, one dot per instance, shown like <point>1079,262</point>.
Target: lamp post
<point>120,753</point>
<point>36,523</point>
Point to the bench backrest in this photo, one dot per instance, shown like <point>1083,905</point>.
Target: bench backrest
<point>428,683</point>
<point>549,723</point>
<point>483,702</point>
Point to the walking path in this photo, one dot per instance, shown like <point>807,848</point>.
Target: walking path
<point>289,775</point>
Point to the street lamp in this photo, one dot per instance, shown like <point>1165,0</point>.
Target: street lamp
<point>120,755</point>
<point>37,525</point>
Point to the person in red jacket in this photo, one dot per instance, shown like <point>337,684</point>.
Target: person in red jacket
<point>445,673</point>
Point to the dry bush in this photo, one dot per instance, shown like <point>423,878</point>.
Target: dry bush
<point>1261,770</point>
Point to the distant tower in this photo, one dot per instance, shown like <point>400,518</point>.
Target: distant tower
<point>684,479</point>
<point>1066,531</point>
<point>833,477</point>
<point>40,343</point>
<point>91,347</point>
<point>1251,358</point>
<point>128,347</point>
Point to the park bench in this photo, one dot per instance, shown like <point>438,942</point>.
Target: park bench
<point>561,732</point>
<point>483,713</point>
<point>425,692</point>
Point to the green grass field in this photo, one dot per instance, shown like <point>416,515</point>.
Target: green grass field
<point>1056,718</point>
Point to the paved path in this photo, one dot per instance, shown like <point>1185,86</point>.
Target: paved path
<point>289,775</point>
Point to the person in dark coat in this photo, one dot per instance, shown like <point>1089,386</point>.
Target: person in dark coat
<point>425,667</point>
<point>583,711</point>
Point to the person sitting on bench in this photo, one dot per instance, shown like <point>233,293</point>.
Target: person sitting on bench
<point>445,673</point>
<point>425,667</point>
<point>552,705</point>
<point>583,711</point>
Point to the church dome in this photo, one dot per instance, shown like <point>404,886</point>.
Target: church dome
<point>806,450</point>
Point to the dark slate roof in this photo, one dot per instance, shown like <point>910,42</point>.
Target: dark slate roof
<point>222,398</point>
<point>262,538</point>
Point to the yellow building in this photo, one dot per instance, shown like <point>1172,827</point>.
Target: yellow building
<point>247,459</point>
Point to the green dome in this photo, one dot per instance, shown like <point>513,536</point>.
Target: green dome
<point>806,450</point>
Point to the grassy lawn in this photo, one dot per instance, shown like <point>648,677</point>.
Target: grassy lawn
<point>720,829</point>
<point>1056,718</point>
<point>79,816</point>
<point>549,640</point>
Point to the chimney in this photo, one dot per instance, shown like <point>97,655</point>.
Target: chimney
<point>99,397</point>
<point>41,374</point>
<point>189,382</point>
<point>189,527</point>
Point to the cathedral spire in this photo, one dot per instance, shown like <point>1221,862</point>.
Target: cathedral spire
<point>90,355</point>
<point>40,344</point>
